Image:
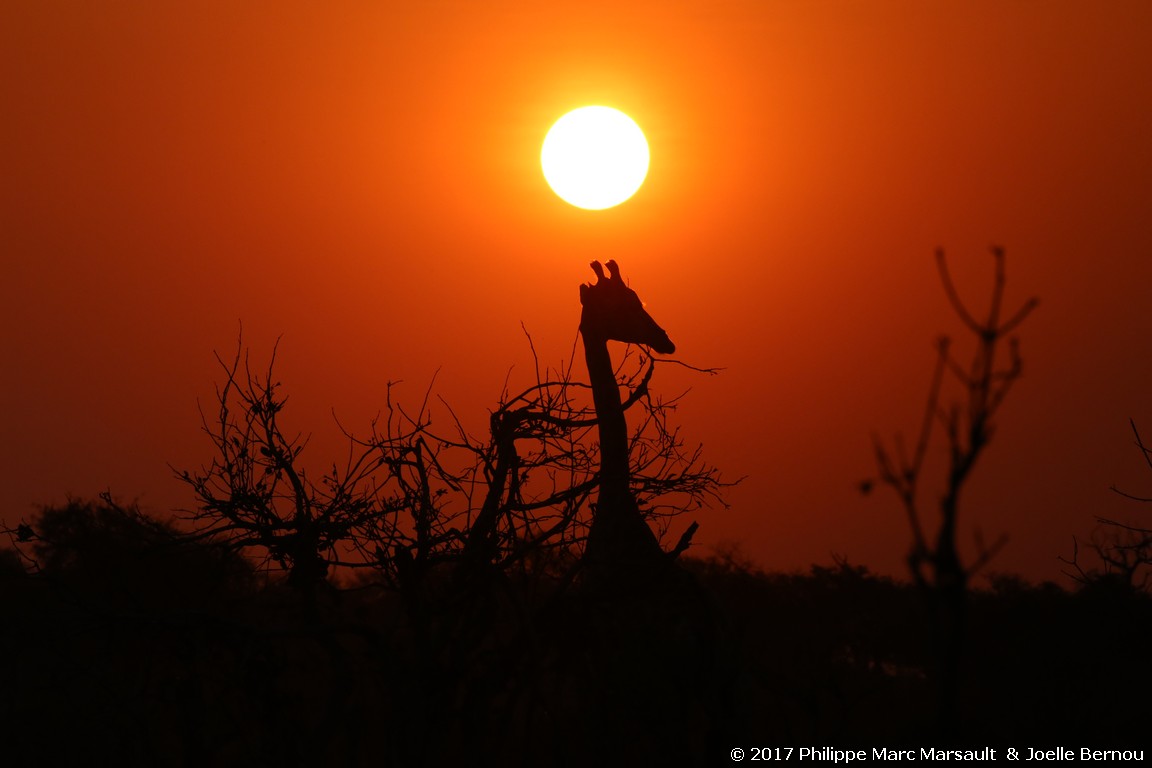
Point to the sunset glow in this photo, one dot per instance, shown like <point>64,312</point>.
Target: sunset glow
<point>367,185</point>
<point>595,157</point>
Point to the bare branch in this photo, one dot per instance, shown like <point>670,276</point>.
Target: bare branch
<point>954,297</point>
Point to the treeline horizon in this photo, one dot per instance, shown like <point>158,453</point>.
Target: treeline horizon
<point>1088,564</point>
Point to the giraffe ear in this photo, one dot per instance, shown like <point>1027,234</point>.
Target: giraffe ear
<point>583,292</point>
<point>599,270</point>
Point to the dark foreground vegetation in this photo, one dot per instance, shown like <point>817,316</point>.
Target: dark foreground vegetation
<point>128,644</point>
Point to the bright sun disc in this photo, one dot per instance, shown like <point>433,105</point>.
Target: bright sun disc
<point>595,157</point>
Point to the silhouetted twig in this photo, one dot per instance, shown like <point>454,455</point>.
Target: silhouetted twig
<point>1124,551</point>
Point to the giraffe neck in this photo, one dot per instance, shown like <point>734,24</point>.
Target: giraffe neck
<point>610,420</point>
<point>618,536</point>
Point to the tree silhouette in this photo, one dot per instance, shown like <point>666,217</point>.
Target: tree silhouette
<point>105,553</point>
<point>255,494</point>
<point>1123,550</point>
<point>967,421</point>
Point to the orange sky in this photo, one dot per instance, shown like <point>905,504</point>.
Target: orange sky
<point>365,183</point>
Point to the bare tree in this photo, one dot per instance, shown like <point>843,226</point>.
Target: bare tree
<point>967,423</point>
<point>254,493</point>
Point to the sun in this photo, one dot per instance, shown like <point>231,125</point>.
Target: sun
<point>595,157</point>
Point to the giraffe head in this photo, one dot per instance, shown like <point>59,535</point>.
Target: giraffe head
<point>613,311</point>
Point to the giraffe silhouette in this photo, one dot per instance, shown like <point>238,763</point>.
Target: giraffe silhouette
<point>646,614</point>
<point>611,311</point>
